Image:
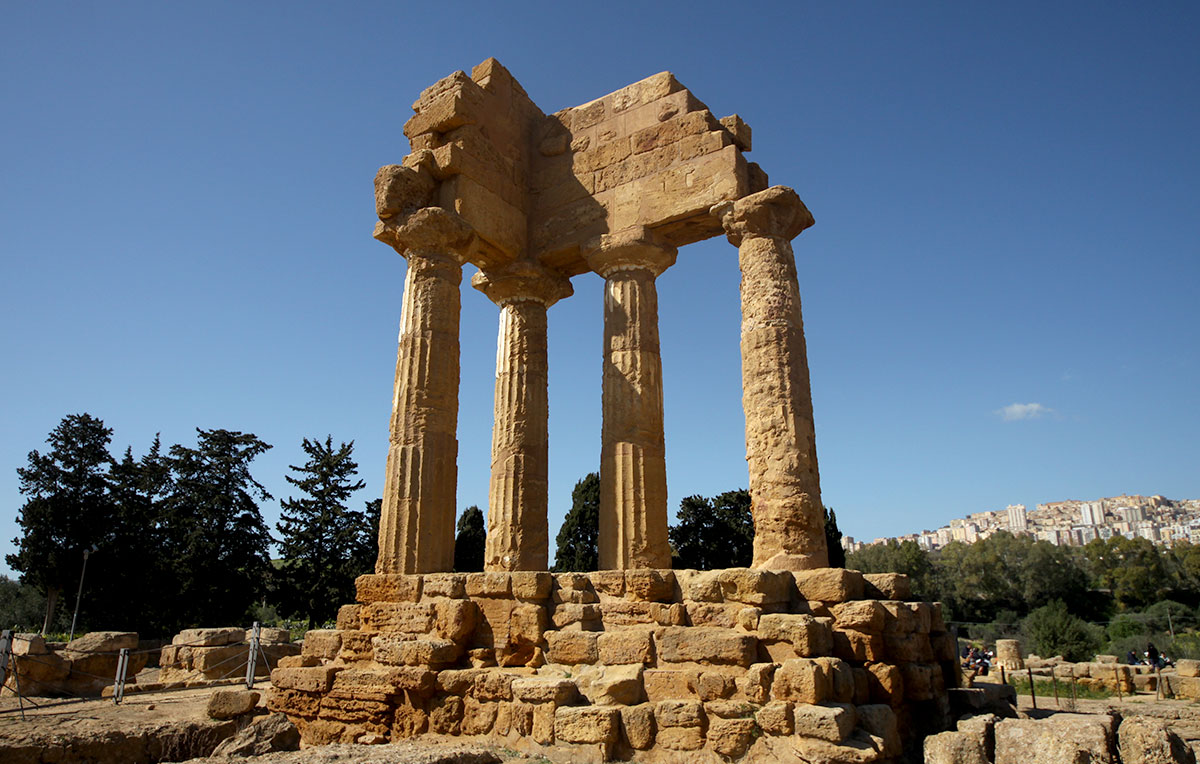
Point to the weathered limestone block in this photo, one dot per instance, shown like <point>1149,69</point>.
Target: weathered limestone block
<point>1063,737</point>
<point>632,645</point>
<point>572,647</point>
<point>531,584</point>
<point>808,637</point>
<point>569,615</point>
<point>358,646</point>
<point>199,637</point>
<point>611,685</point>
<point>1187,667</point>
<point>714,686</point>
<point>841,679</point>
<point>780,438</point>
<point>802,680</point>
<point>649,585</point>
<point>721,615</point>
<point>450,585</point>
<point>410,617</point>
<point>887,586</point>
<point>112,641</point>
<point>955,748</point>
<point>608,582</point>
<point>857,645</point>
<point>670,684</point>
<point>754,587</point>
<point>829,584</point>
<point>388,587</point>
<point>886,684</point>
<point>679,713</point>
<point>908,648</point>
<point>584,724</point>
<point>755,684</point>
<point>396,650</point>
<point>409,721</point>
<point>829,721</point>
<point>544,690</point>
<point>1145,740</point>
<point>700,586</point>
<point>702,644</point>
<point>627,613</point>
<point>229,704</point>
<point>314,679</point>
<point>298,661</point>
<point>859,615</point>
<point>731,737</point>
<point>455,620</point>
<point>775,718</point>
<point>489,584</point>
<point>680,738</point>
<point>879,721</point>
<point>445,715</point>
<point>348,617</point>
<point>493,684</point>
<point>637,725</point>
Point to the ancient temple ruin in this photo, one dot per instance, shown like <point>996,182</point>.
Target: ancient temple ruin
<point>613,187</point>
<point>787,660</point>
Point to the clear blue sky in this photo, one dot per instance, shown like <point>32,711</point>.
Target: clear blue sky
<point>1006,196</point>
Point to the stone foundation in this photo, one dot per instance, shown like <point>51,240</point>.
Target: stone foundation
<point>198,656</point>
<point>826,664</point>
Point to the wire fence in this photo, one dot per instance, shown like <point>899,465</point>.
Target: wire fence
<point>13,665</point>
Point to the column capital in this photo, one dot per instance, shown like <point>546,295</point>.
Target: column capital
<point>775,212</point>
<point>523,280</point>
<point>630,249</point>
<point>429,232</point>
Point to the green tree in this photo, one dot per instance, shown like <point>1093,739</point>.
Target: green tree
<point>577,543</point>
<point>322,541</point>
<point>1133,569</point>
<point>213,532</point>
<point>1052,630</point>
<point>833,540</point>
<point>68,508</point>
<point>711,534</point>
<point>469,541</point>
<point>22,606</point>
<point>898,557</point>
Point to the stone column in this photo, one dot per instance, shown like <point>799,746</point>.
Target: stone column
<point>416,527</point>
<point>785,490</point>
<point>633,467</point>
<point>518,536</point>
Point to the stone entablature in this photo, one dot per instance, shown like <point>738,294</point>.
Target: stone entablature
<point>825,663</point>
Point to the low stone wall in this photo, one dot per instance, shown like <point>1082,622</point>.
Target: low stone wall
<point>79,668</point>
<point>196,656</point>
<point>828,664</point>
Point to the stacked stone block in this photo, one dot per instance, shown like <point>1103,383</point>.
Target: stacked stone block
<point>830,663</point>
<point>200,656</point>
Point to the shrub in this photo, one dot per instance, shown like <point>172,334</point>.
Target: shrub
<point>1052,630</point>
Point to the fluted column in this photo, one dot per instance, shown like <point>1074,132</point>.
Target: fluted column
<point>518,535</point>
<point>416,527</point>
<point>785,488</point>
<point>633,468</point>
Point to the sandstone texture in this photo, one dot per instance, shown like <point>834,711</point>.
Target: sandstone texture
<point>636,675</point>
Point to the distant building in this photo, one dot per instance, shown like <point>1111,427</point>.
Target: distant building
<point>1018,520</point>
<point>1090,513</point>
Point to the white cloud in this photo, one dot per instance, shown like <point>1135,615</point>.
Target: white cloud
<point>1015,412</point>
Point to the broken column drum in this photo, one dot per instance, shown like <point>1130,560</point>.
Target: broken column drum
<point>613,187</point>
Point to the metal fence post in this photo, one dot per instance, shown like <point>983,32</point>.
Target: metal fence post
<point>252,657</point>
<point>122,668</point>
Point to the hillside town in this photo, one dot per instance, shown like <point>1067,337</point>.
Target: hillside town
<point>1068,523</point>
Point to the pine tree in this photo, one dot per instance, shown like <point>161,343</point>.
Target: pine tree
<point>469,541</point>
<point>213,532</point>
<point>69,508</point>
<point>322,541</point>
<point>712,534</point>
<point>833,540</point>
<point>578,539</point>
